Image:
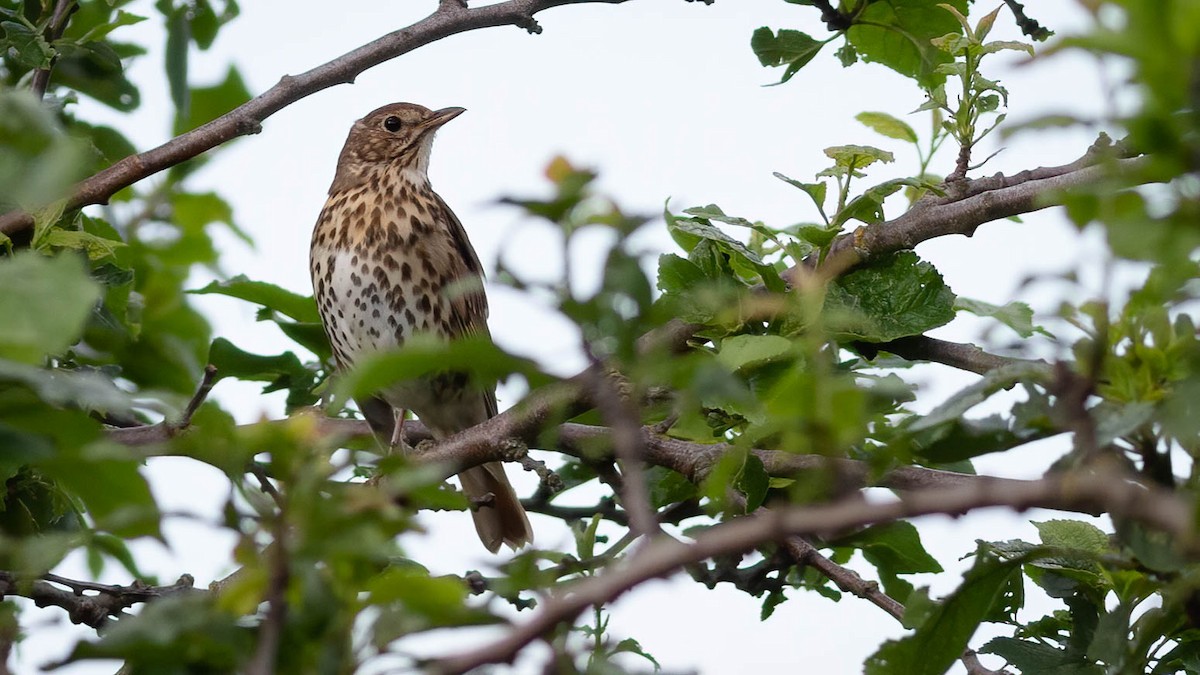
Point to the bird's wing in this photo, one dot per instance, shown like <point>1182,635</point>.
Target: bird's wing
<point>470,308</point>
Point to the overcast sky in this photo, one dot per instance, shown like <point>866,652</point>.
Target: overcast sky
<point>665,99</point>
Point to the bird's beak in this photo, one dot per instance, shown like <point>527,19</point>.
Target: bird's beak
<point>442,116</point>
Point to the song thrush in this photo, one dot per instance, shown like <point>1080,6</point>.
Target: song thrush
<point>389,259</point>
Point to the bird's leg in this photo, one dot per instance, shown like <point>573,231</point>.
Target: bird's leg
<point>397,442</point>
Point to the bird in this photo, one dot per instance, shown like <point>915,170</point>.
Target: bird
<point>390,260</point>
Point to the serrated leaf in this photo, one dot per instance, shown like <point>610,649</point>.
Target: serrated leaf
<point>1073,534</point>
<point>894,297</point>
<point>855,157</point>
<point>899,35</point>
<point>1036,658</point>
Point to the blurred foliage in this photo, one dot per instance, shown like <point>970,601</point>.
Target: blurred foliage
<point>98,331</point>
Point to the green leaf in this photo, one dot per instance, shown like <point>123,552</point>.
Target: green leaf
<point>996,380</point>
<point>899,34</point>
<point>692,232</point>
<point>95,69</point>
<point>676,274</point>
<point>94,246</point>
<point>1016,315</point>
<point>45,303</point>
<point>209,103</point>
<point>108,482</point>
<point>423,356</point>
<point>123,19</point>
<point>668,487</point>
<point>774,598</point>
<point>816,191</point>
<point>1037,658</point>
<point>868,207</point>
<point>26,46</point>
<point>281,371</point>
<point>941,638</point>
<point>789,48</point>
<point>292,305</point>
<point>960,439</point>
<point>746,352</point>
<point>887,125</point>
<point>1073,534</point>
<point>689,231</point>
<point>86,389</point>
<point>896,546</point>
<point>193,212</point>
<point>894,297</point>
<point>855,157</point>
<point>183,633</point>
<point>179,33</point>
<point>631,646</point>
<point>894,549</point>
<point>39,162</point>
<point>754,482</point>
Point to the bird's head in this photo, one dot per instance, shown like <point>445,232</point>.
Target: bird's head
<point>397,134</point>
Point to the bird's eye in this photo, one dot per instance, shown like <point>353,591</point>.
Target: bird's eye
<point>392,123</point>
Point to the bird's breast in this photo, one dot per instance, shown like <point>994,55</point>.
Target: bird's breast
<point>378,273</point>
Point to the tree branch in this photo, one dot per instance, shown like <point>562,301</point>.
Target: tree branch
<point>168,429</point>
<point>975,203</point>
<point>90,610</point>
<point>1117,494</point>
<point>954,354</point>
<point>450,18</point>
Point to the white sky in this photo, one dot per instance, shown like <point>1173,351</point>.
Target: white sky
<point>666,100</point>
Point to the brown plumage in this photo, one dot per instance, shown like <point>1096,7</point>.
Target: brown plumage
<point>389,259</point>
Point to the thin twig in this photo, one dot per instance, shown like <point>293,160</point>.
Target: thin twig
<point>264,482</point>
<point>54,30</point>
<point>168,429</point>
<point>851,582</point>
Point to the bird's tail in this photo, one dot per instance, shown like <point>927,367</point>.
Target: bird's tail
<point>500,519</point>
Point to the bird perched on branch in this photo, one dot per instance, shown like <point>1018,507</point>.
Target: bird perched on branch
<point>390,260</point>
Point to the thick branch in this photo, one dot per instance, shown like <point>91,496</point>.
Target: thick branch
<point>1109,492</point>
<point>450,18</point>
